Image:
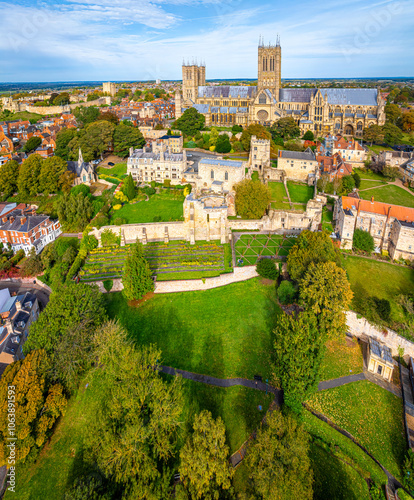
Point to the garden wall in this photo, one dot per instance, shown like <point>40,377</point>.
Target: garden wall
<point>360,327</point>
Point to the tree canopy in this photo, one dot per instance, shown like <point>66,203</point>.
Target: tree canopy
<point>286,127</point>
<point>204,468</point>
<point>70,305</point>
<point>126,137</point>
<point>223,144</point>
<point>310,247</point>
<point>278,460</point>
<point>252,198</point>
<point>38,405</point>
<point>189,122</point>
<point>33,143</point>
<point>255,129</point>
<point>9,174</point>
<point>136,277</point>
<point>363,240</point>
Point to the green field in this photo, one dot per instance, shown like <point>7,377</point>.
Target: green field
<point>21,115</point>
<point>119,170</point>
<point>327,218</point>
<point>379,279</point>
<point>280,200</point>
<point>343,357</point>
<point>368,174</point>
<point>372,415</point>
<point>250,247</point>
<point>377,149</point>
<point>159,207</point>
<point>224,332</point>
<point>390,194</point>
<point>366,184</point>
<point>300,193</point>
<point>174,260</point>
<point>61,460</point>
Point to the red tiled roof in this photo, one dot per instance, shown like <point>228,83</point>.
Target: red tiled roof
<point>376,207</point>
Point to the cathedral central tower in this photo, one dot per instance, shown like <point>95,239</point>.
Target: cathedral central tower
<point>269,66</point>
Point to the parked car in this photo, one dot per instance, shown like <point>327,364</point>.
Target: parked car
<point>111,164</point>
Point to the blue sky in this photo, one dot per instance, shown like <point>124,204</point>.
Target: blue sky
<point>146,39</point>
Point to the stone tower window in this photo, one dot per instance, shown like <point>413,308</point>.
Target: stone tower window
<point>262,99</point>
<point>226,176</point>
<point>212,174</point>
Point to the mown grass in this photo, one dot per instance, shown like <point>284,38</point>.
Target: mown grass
<point>372,415</point>
<point>379,279</point>
<point>279,195</point>
<point>224,332</point>
<point>367,184</point>
<point>343,357</point>
<point>394,195</point>
<point>368,174</point>
<point>119,170</point>
<point>158,207</point>
<point>300,193</point>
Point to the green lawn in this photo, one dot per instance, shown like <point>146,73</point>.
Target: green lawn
<point>119,170</point>
<point>60,462</point>
<point>279,196</point>
<point>23,115</point>
<point>366,184</point>
<point>390,194</point>
<point>372,415</point>
<point>224,332</point>
<point>327,218</point>
<point>343,357</point>
<point>334,478</point>
<point>377,149</point>
<point>368,174</point>
<point>300,193</point>
<point>379,279</point>
<point>158,206</point>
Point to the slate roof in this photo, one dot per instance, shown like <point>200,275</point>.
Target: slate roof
<point>298,155</point>
<point>227,91</point>
<point>31,222</point>
<point>296,95</point>
<point>76,167</point>
<point>364,97</point>
<point>227,163</point>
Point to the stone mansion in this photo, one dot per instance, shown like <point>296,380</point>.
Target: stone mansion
<point>323,111</point>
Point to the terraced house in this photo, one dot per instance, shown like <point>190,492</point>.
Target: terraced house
<point>24,230</point>
<point>323,111</point>
<point>391,226</point>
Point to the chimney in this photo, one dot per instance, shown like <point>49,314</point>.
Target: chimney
<point>18,305</point>
<point>4,220</point>
<point>372,199</point>
<point>11,220</point>
<point>23,220</point>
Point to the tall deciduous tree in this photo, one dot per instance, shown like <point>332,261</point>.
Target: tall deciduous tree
<point>135,428</point>
<point>373,133</point>
<point>99,135</point>
<point>190,122</point>
<point>136,278</point>
<point>70,305</point>
<point>9,174</point>
<point>63,139</point>
<point>126,137</point>
<point>32,144</point>
<point>252,198</point>
<point>85,115</point>
<point>298,353</point>
<point>392,112</point>
<point>278,460</point>
<point>37,405</point>
<point>28,181</point>
<point>310,247</point>
<point>286,127</point>
<point>205,469</point>
<point>326,291</point>
<point>223,144</point>
<point>255,129</point>
<point>74,211</point>
<point>51,172</point>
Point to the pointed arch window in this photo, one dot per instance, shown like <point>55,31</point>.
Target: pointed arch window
<point>212,174</point>
<point>226,176</point>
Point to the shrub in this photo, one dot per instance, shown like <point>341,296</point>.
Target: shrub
<point>101,220</point>
<point>286,292</point>
<point>82,188</point>
<point>117,207</point>
<point>363,241</point>
<point>408,469</point>
<point>74,268</point>
<point>149,190</point>
<point>109,238</point>
<point>89,241</point>
<point>266,268</point>
<point>122,197</point>
<point>118,221</point>
<point>167,182</point>
<point>383,308</point>
<point>108,284</point>
<point>308,136</point>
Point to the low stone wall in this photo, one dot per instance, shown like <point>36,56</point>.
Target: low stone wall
<point>54,110</point>
<point>360,327</point>
<point>249,224</point>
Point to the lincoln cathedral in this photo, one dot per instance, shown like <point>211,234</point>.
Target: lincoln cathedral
<point>323,111</point>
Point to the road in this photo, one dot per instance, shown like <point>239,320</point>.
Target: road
<point>41,293</point>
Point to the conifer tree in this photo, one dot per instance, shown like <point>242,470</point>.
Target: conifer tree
<point>136,279</point>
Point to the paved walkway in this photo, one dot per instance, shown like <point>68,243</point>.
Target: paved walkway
<point>397,182</point>
<point>239,274</point>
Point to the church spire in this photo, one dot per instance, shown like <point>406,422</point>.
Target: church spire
<point>80,159</point>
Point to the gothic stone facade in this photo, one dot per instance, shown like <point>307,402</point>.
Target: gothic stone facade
<point>391,226</point>
<point>323,111</point>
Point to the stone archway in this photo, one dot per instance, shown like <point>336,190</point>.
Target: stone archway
<point>349,129</point>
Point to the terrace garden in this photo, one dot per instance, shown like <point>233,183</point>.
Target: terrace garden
<point>249,247</point>
<point>175,260</point>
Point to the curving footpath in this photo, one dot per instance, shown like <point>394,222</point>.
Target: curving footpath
<point>238,456</point>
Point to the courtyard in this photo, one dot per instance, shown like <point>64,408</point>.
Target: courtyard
<point>250,247</point>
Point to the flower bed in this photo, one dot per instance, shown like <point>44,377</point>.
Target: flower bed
<point>173,258</point>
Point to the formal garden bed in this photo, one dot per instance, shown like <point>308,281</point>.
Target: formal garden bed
<point>249,247</point>
<point>175,260</point>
